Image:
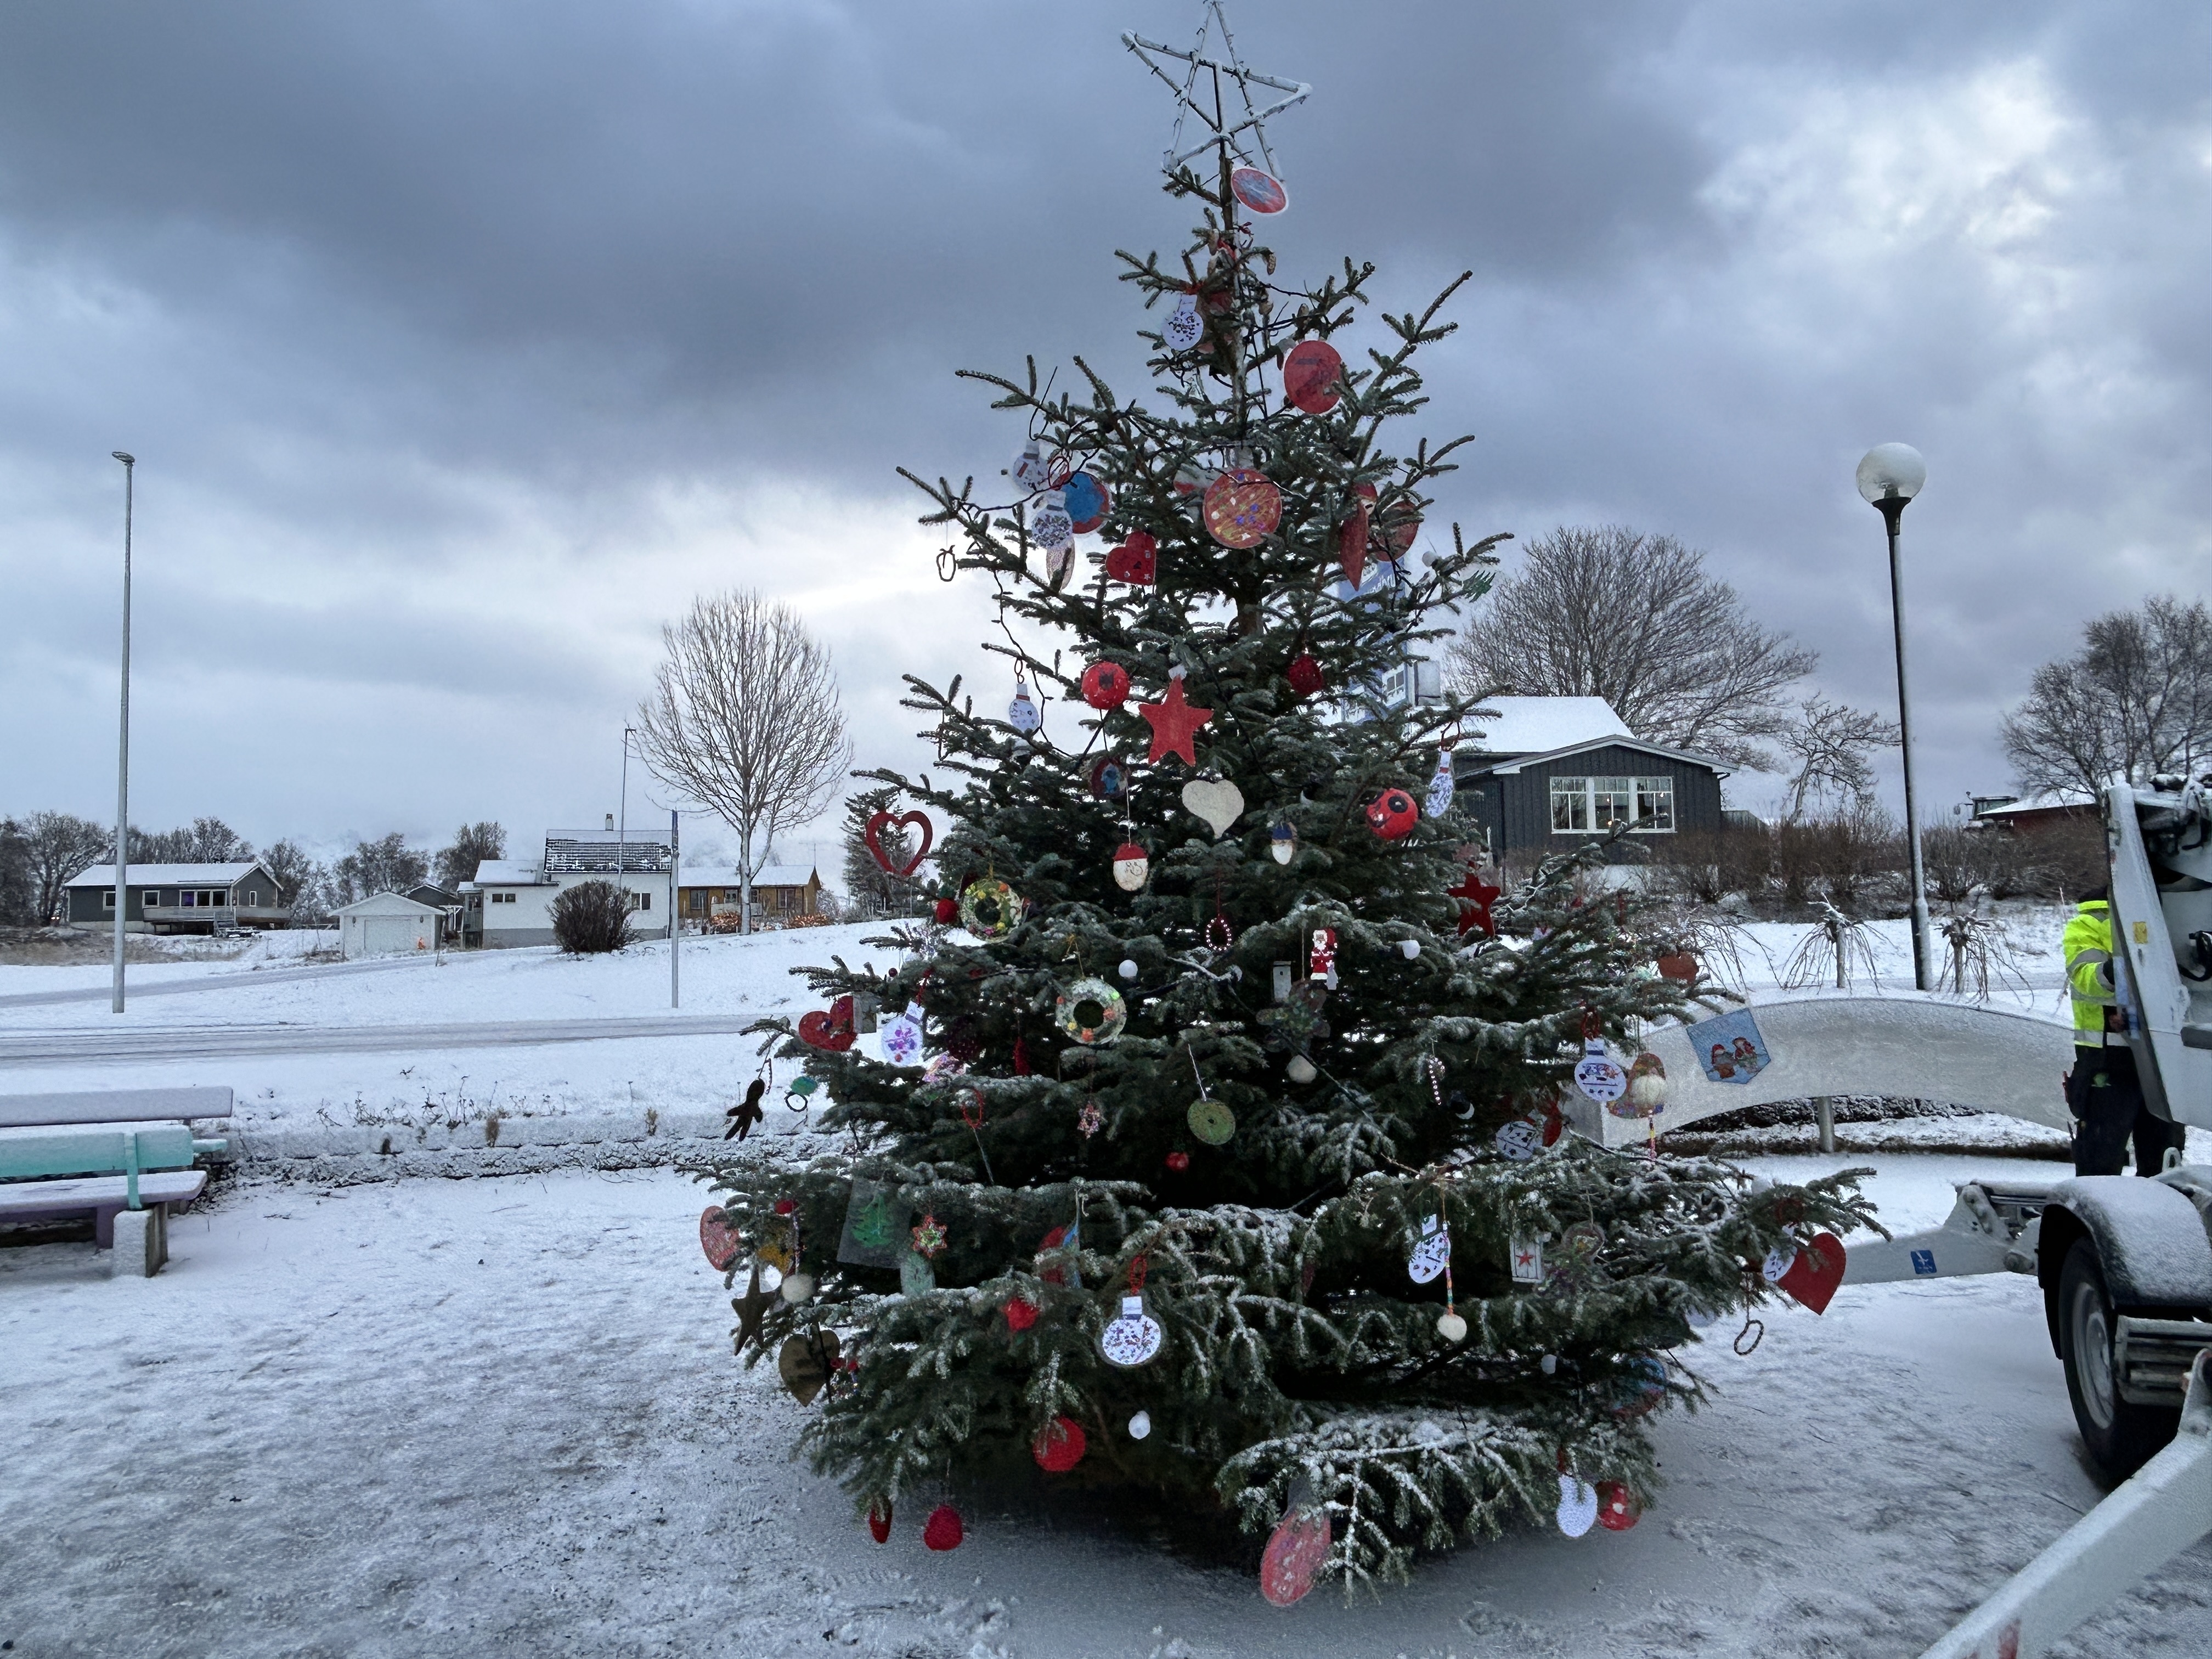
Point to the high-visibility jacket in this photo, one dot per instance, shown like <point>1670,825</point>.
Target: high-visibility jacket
<point>2088,946</point>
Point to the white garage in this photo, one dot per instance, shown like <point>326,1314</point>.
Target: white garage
<point>385,923</point>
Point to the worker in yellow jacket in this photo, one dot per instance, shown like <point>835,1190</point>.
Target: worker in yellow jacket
<point>2103,1092</point>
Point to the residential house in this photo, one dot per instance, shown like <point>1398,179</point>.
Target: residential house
<point>710,894</point>
<point>179,899</point>
<point>449,904</point>
<point>1548,772</point>
<point>2039,812</point>
<point>510,902</point>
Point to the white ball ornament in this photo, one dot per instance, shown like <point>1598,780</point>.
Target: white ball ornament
<point>1129,968</point>
<point>1140,1426</point>
<point>796,1287</point>
<point>1452,1328</point>
<point>1300,1069</point>
<point>1410,949</point>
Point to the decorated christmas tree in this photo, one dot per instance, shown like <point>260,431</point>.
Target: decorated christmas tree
<point>1210,1144</point>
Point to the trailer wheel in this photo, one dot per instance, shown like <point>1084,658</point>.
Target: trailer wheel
<point>2121,1437</point>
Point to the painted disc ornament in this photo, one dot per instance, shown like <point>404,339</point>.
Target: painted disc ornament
<point>1184,327</point>
<point>1577,1506</point>
<point>1136,561</point>
<point>1059,1446</point>
<point>1051,526</point>
<point>1294,1555</point>
<point>1109,779</point>
<point>1211,1121</point>
<point>1092,1012</point>
<point>1441,786</point>
<point>1106,685</point>
<point>902,1037</point>
<point>1283,841</point>
<point>1133,1338</point>
<point>1263,193</point>
<point>1305,675</point>
<point>1087,502</point>
<point>1392,814</point>
<point>718,1239</point>
<point>1132,864</point>
<point>989,908</point>
<point>1310,376</point>
<point>1431,1251</point>
<point>803,1363</point>
<point>1022,714</point>
<point>1598,1075</point>
<point>1642,1388</point>
<point>1031,471</point>
<point>942,1530</point>
<point>1243,508</point>
<point>1617,1508</point>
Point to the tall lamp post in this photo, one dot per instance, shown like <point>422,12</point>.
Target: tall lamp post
<point>122,740</point>
<point>1889,477</point>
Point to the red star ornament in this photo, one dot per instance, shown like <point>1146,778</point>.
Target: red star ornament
<point>1173,722</point>
<point>1475,896</point>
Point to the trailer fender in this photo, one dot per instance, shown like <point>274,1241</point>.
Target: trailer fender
<point>2150,1240</point>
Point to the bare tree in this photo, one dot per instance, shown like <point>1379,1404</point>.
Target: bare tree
<point>388,865</point>
<point>16,897</point>
<point>1827,745</point>
<point>1611,612</point>
<point>290,866</point>
<point>208,841</point>
<point>745,719</point>
<point>60,846</point>
<point>2137,699</point>
<point>472,844</point>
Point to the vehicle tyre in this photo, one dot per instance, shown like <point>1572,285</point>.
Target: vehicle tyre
<point>2121,1437</point>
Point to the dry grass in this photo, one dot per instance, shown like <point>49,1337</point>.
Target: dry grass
<point>54,947</point>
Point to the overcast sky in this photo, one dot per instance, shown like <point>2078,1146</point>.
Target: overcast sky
<point>460,345</point>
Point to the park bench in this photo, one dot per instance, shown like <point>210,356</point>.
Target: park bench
<point>122,1156</point>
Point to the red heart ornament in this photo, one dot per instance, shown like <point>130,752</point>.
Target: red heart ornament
<point>1136,561</point>
<point>1813,1276</point>
<point>1059,1446</point>
<point>718,1239</point>
<point>832,1031</point>
<point>942,1530</point>
<point>919,820</point>
<point>1021,1314</point>
<point>1293,1556</point>
<point>879,1523</point>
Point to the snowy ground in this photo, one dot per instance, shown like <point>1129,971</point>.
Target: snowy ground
<point>498,1417</point>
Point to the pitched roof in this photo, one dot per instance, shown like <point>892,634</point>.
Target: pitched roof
<point>385,904</point>
<point>1530,726</point>
<point>167,875</point>
<point>1511,763</point>
<point>507,873</point>
<point>596,851</point>
<point>2048,800</point>
<point>726,875</point>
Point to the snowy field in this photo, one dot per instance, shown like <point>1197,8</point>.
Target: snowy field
<point>502,1417</point>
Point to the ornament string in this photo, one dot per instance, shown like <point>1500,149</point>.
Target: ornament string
<point>1750,1325</point>
<point>971,1114</point>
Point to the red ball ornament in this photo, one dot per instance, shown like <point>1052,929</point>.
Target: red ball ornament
<point>947,911</point>
<point>1106,685</point>
<point>1392,814</point>
<point>1059,1445</point>
<point>784,1206</point>
<point>1021,1314</point>
<point>1305,675</point>
<point>879,1523</point>
<point>1617,1508</point>
<point>943,1531</point>
<point>1178,1162</point>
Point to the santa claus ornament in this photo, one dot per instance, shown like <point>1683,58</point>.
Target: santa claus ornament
<point>1106,685</point>
<point>1283,841</point>
<point>1132,865</point>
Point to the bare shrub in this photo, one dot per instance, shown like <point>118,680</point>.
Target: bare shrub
<point>592,918</point>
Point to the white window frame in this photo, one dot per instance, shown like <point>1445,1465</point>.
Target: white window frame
<point>107,898</point>
<point>1584,794</point>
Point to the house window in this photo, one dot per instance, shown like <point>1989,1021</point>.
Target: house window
<point>502,898</point>
<point>640,901</point>
<point>694,901</point>
<point>107,898</point>
<point>253,895</point>
<point>152,895</point>
<point>188,897</point>
<point>1588,806</point>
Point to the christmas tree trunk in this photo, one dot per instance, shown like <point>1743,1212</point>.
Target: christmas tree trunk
<point>1204,1152</point>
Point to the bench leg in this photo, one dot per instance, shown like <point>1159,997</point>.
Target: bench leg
<point>103,1226</point>
<point>137,1244</point>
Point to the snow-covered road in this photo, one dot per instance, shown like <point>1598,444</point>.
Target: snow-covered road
<point>64,1046</point>
<point>500,1417</point>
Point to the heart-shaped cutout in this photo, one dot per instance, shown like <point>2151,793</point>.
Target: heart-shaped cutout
<point>805,1364</point>
<point>831,1030</point>
<point>1135,561</point>
<point>1813,1276</point>
<point>718,1239</point>
<point>1217,800</point>
<point>875,824</point>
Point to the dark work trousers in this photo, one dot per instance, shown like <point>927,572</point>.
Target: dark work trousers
<point>2106,1098</point>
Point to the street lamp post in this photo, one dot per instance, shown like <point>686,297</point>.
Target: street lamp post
<point>122,741</point>
<point>1889,477</point>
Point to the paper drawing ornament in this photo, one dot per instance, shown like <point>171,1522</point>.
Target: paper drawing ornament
<point>1184,327</point>
<point>1598,1075</point>
<point>1133,1338</point>
<point>1351,534</point>
<point>1263,193</point>
<point>1051,526</point>
<point>1132,865</point>
<point>1022,714</point>
<point>1136,561</point>
<point>1108,778</point>
<point>1441,786</point>
<point>1243,508</point>
<point>1106,685</point>
<point>1310,376</point>
<point>1431,1251</point>
<point>1030,472</point>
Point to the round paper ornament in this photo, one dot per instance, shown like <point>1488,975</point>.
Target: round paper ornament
<point>1577,1506</point>
<point>1087,502</point>
<point>1030,471</point>
<point>1092,1012</point>
<point>1133,1338</point>
<point>942,1530</point>
<point>1779,1261</point>
<point>1059,1446</point>
<point>1211,1121</point>
<point>1184,327</point>
<point>1403,524</point>
<point>1309,375</point>
<point>879,1522</point>
<point>989,908</point>
<point>1022,714</point>
<point>1263,193</point>
<point>1051,526</point>
<point>1294,1555</point>
<point>902,1036</point>
<point>1243,508</point>
<point>1431,1251</point>
<point>1136,561</point>
<point>1519,1140</point>
<point>1106,685</point>
<point>1177,1161</point>
<point>1617,1508</point>
<point>1132,864</point>
<point>1598,1075</point>
<point>1283,841</point>
<point>1140,1426</point>
<point>1392,814</point>
<point>1305,675</point>
<point>1109,779</point>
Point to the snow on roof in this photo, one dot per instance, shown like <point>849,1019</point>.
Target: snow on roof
<point>2048,800</point>
<point>726,875</point>
<point>1533,725</point>
<point>1514,764</point>
<point>167,875</point>
<point>385,904</point>
<point>507,873</point>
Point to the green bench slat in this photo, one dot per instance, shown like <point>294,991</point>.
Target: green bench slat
<point>92,1149</point>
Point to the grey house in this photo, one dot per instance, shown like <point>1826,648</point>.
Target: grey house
<point>1549,772</point>
<point>179,899</point>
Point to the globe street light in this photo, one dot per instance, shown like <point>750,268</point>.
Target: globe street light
<point>1889,477</point>
<point>123,742</point>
